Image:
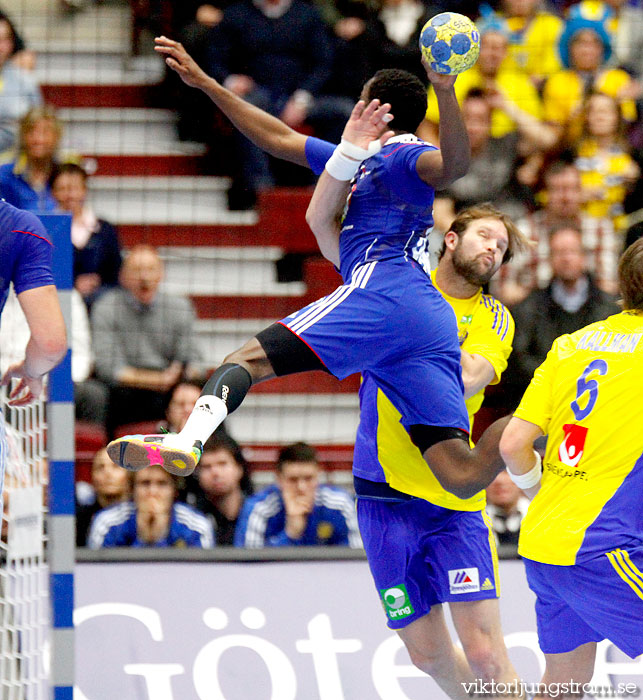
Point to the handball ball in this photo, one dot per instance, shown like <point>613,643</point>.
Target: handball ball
<point>450,42</point>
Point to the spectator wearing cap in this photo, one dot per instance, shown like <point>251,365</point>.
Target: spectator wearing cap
<point>585,48</point>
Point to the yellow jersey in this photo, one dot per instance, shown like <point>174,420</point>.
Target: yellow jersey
<point>586,396</point>
<point>485,327</point>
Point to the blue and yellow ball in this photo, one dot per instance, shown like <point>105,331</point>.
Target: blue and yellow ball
<point>450,42</point>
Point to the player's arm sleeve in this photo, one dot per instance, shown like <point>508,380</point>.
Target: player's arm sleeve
<point>536,405</point>
<point>491,336</point>
<point>202,533</point>
<point>34,260</point>
<point>317,153</point>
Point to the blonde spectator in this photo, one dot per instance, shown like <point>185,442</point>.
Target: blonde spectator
<point>585,47</point>
<point>24,182</point>
<point>602,156</point>
<point>19,91</point>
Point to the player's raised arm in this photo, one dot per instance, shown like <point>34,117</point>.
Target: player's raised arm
<point>365,133</point>
<point>441,168</point>
<point>267,132</point>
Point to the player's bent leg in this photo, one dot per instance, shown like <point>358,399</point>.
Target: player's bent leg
<point>571,668</point>
<point>477,623</point>
<point>461,470</point>
<point>432,650</point>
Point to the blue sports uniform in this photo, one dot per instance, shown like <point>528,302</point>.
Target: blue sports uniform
<point>116,527</point>
<point>331,522</point>
<point>388,319</point>
<point>25,260</point>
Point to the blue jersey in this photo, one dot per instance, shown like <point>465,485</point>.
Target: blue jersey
<point>332,521</point>
<point>389,209</point>
<point>25,252</point>
<point>116,527</point>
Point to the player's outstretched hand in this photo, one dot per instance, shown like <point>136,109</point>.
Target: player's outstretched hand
<point>440,81</point>
<point>180,61</point>
<point>26,390</point>
<point>367,123</point>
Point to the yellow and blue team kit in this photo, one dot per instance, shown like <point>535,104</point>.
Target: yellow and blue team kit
<point>583,534</point>
<point>425,546</point>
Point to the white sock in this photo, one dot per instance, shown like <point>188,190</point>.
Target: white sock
<point>207,415</point>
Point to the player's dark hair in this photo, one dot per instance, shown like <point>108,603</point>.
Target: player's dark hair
<point>517,239</point>
<point>630,276</point>
<point>222,441</point>
<point>405,93</point>
<point>298,452</point>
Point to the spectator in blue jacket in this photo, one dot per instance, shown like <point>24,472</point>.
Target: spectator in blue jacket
<point>298,510</point>
<point>153,518</point>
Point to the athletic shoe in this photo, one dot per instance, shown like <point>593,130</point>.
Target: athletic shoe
<point>136,452</point>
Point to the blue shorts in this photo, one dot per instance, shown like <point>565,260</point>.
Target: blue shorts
<point>422,555</point>
<point>590,601</point>
<point>390,321</point>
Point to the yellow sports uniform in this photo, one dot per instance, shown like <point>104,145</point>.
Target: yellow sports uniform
<point>582,537</point>
<point>514,85</point>
<point>486,328</point>
<point>425,546</point>
<point>587,397</point>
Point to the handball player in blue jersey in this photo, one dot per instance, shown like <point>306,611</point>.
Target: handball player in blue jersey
<point>387,319</point>
<point>25,261</point>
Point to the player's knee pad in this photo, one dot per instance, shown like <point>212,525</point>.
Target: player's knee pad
<point>425,436</point>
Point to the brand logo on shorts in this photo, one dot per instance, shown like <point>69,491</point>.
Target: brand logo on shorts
<point>396,602</point>
<point>572,446</point>
<point>464,580</point>
<point>486,585</point>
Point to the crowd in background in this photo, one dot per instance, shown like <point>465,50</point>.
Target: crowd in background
<point>553,111</point>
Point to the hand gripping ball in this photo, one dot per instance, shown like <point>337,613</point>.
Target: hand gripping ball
<point>450,42</point>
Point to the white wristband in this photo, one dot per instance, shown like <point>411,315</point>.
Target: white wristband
<point>347,157</point>
<point>340,166</point>
<point>531,478</point>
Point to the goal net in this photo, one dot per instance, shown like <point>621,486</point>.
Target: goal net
<point>24,609</point>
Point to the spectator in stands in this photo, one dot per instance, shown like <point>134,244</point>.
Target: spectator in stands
<point>506,507</point>
<point>224,483</point>
<point>144,340</point>
<point>585,48</point>
<point>490,177</point>
<point>603,158</point>
<point>24,182</point>
<point>276,54</point>
<point>515,101</point>
<point>627,37</point>
<point>298,510</point>
<point>21,55</point>
<point>153,518</point>
<point>399,42</point>
<point>570,301</point>
<point>533,38</point>
<point>19,91</point>
<point>111,485</point>
<point>97,251</point>
<point>562,197</point>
